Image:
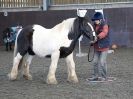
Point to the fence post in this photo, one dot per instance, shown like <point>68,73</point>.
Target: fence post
<point>45,5</point>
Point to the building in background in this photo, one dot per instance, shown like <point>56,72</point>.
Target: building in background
<point>89,4</point>
<point>32,5</point>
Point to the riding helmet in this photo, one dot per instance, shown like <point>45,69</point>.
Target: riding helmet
<point>97,16</point>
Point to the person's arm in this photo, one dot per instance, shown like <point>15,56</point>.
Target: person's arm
<point>104,32</point>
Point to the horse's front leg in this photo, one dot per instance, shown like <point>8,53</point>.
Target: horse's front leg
<point>51,79</point>
<point>72,77</point>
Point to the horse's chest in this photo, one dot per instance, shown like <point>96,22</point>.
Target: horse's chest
<point>65,51</point>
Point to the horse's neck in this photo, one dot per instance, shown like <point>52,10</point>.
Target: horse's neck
<point>67,28</point>
<point>66,25</point>
<point>58,27</point>
<point>76,39</point>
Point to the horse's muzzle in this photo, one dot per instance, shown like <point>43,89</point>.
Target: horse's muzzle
<point>94,40</point>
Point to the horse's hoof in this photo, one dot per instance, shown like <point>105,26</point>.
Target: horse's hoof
<point>73,79</point>
<point>52,82</point>
<point>27,77</point>
<point>12,77</point>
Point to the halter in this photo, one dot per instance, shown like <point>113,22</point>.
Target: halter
<point>86,33</point>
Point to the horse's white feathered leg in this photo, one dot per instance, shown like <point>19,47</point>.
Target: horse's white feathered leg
<point>17,59</point>
<point>72,77</point>
<point>51,79</point>
<point>26,73</point>
<point>14,71</point>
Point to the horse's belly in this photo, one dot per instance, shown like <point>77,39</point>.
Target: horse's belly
<point>47,48</point>
<point>41,53</point>
<point>44,50</point>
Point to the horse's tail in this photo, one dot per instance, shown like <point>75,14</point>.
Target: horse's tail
<point>16,50</point>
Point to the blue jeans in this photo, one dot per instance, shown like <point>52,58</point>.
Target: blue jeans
<point>99,63</point>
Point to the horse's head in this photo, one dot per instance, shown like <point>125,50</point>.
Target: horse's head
<point>85,28</point>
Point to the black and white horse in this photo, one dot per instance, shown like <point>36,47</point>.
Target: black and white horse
<point>57,42</point>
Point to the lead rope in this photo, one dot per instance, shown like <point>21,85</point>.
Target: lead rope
<point>90,60</point>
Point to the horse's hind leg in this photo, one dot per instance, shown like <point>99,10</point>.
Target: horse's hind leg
<point>51,79</point>
<point>72,77</point>
<point>14,71</point>
<point>26,73</point>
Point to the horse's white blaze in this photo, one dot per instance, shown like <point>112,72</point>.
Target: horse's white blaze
<point>94,33</point>
<point>46,41</point>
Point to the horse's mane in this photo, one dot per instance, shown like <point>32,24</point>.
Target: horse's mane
<point>66,24</point>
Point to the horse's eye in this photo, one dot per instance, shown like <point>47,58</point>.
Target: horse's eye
<point>85,24</point>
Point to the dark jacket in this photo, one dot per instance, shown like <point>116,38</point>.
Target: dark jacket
<point>103,41</point>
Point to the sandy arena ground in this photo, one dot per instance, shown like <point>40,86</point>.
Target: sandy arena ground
<point>120,65</point>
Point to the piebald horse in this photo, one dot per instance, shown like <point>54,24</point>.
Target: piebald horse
<point>57,42</point>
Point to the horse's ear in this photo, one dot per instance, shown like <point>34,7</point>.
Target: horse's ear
<point>81,12</point>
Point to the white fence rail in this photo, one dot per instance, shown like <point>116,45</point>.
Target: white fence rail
<point>62,2</point>
<point>19,3</point>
